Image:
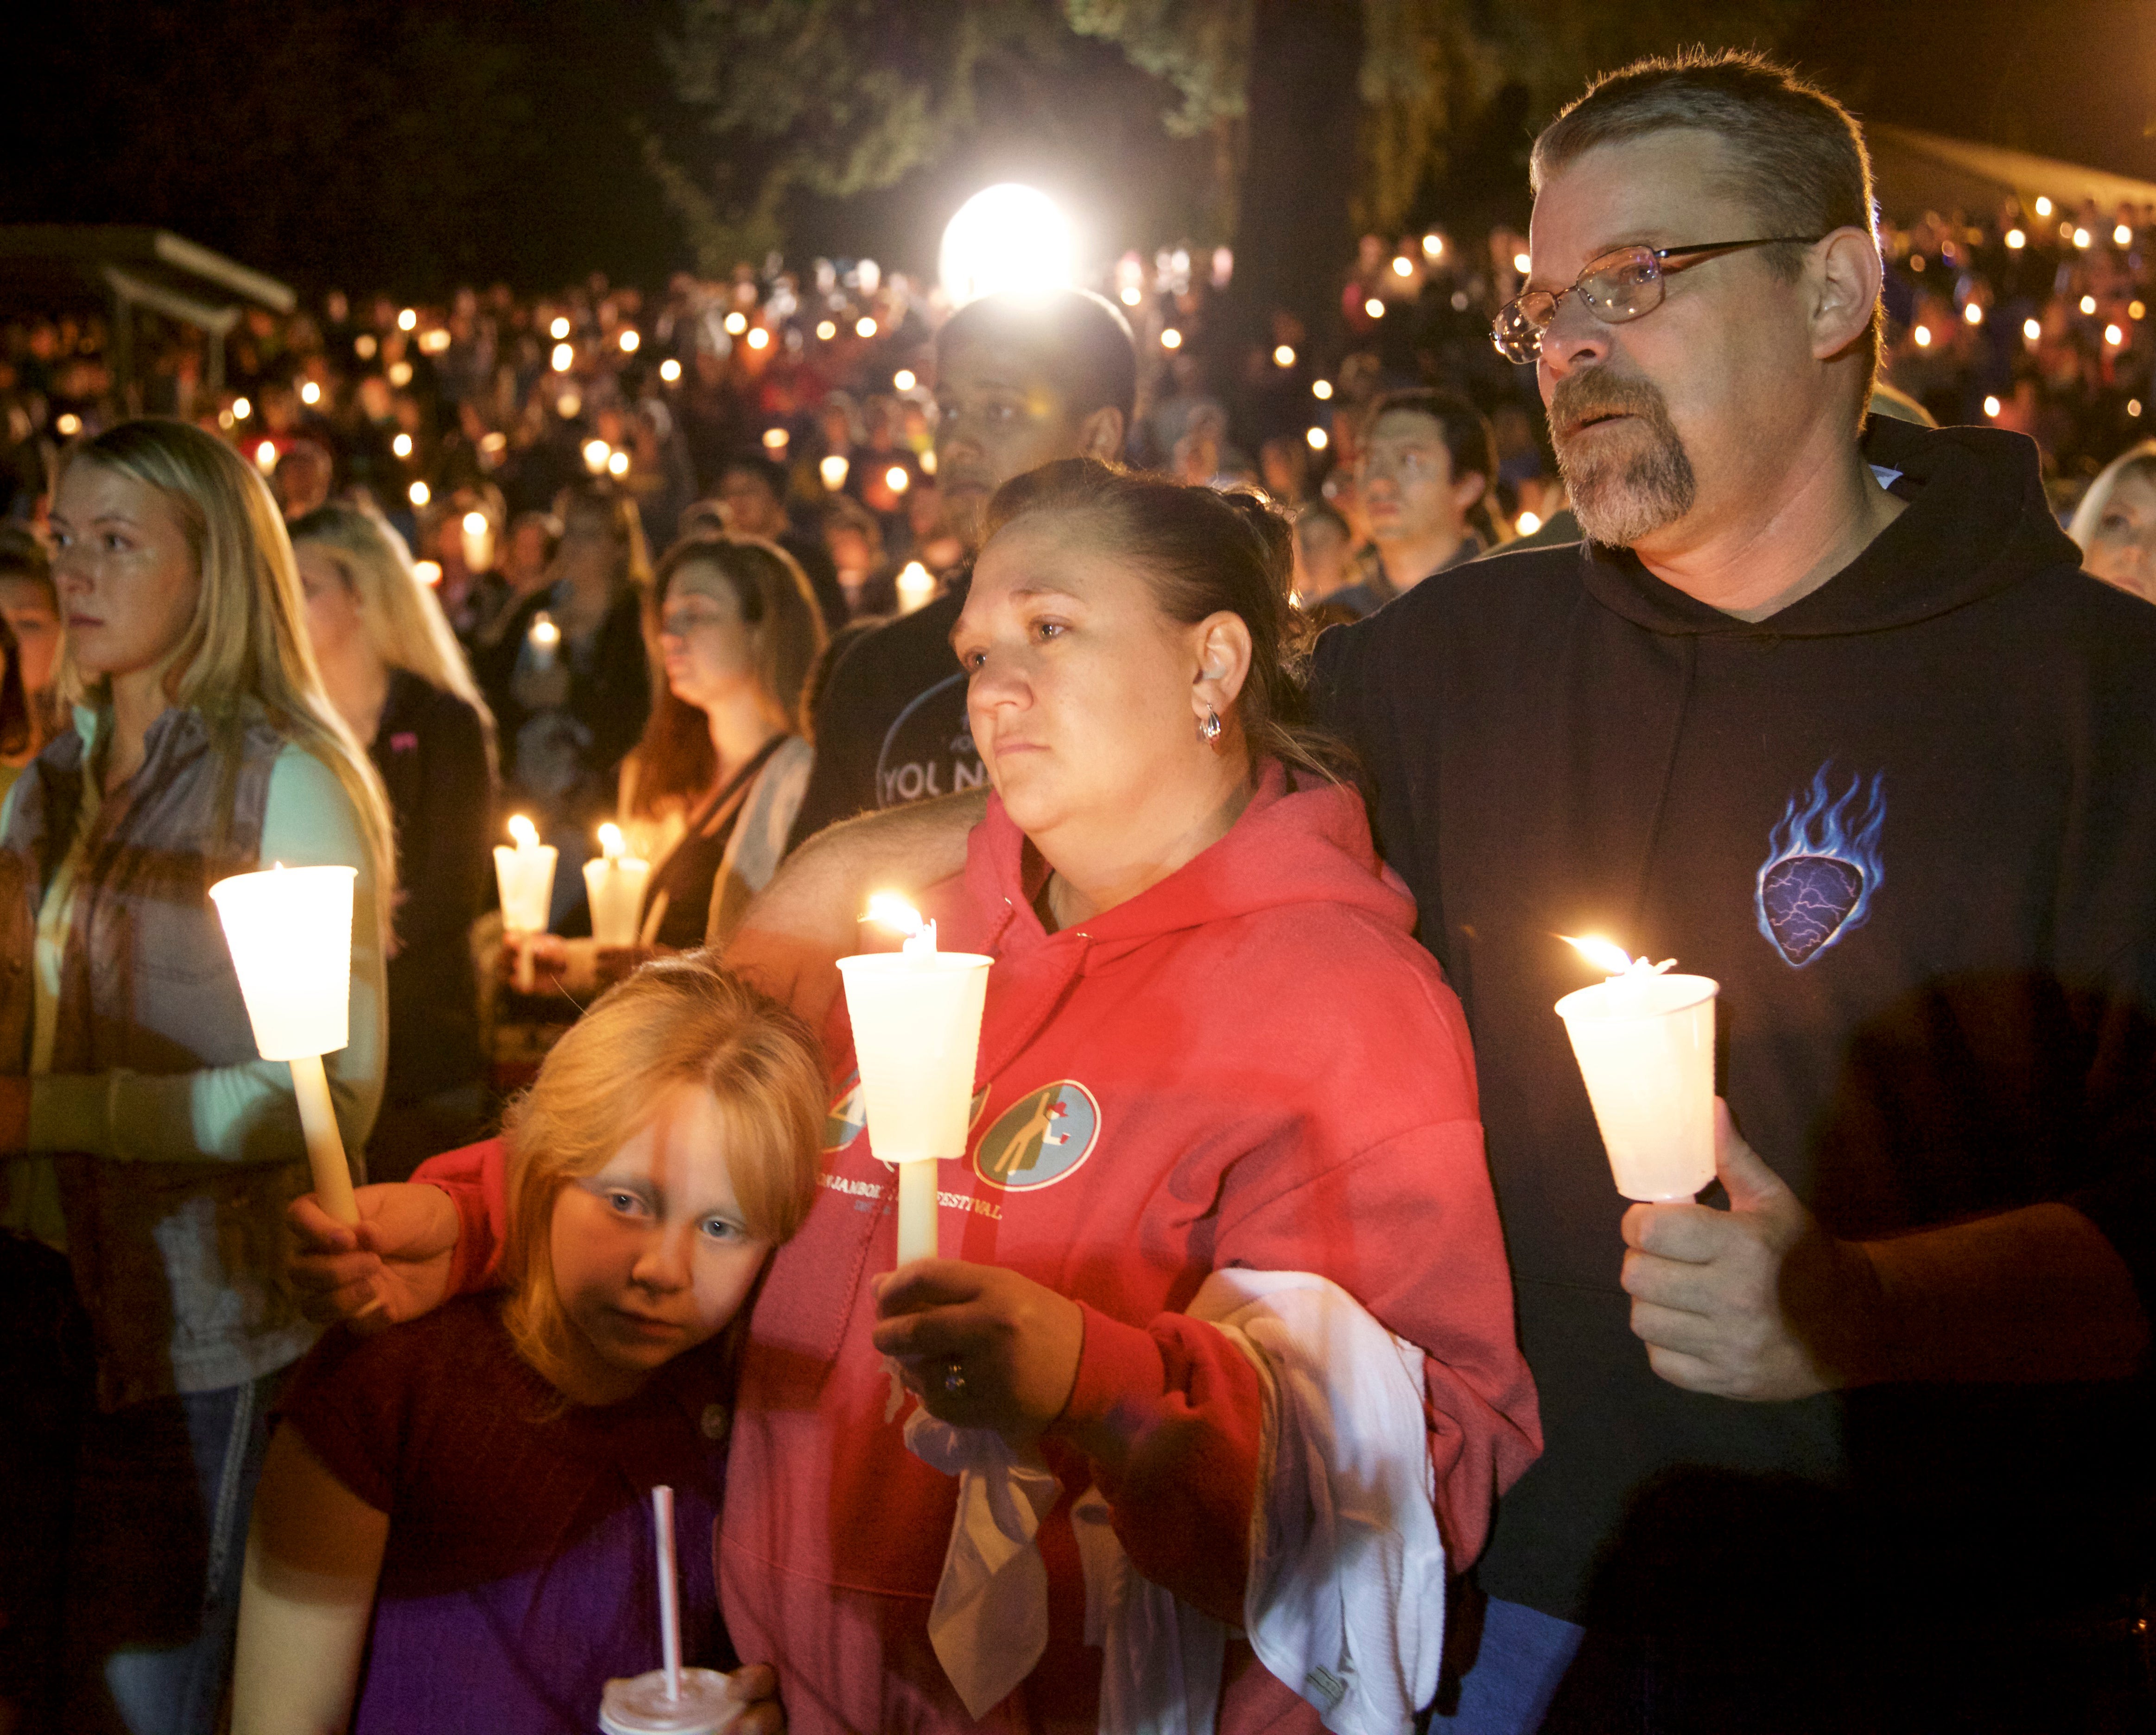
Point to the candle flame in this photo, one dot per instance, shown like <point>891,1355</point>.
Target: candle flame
<point>1612,959</point>
<point>524,831</point>
<point>610,843</point>
<point>543,629</point>
<point>890,910</point>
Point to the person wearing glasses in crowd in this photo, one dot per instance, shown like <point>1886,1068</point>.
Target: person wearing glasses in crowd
<point>1428,460</point>
<point>1823,708</point>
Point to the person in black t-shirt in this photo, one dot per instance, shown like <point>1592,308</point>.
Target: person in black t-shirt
<point>1020,379</point>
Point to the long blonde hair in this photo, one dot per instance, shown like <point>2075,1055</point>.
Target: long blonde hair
<point>246,646</point>
<point>400,616</point>
<point>679,1020</point>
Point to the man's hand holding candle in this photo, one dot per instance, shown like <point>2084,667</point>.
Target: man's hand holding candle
<point>394,1265</point>
<point>1756,1301</point>
<point>982,1346</point>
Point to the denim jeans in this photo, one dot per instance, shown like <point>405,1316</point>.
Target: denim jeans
<point>1523,1656</point>
<point>162,1494</point>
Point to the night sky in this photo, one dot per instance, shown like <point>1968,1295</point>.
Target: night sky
<point>377,143</point>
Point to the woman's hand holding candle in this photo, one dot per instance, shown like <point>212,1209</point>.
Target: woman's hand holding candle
<point>982,1346</point>
<point>1756,1301</point>
<point>392,1264</point>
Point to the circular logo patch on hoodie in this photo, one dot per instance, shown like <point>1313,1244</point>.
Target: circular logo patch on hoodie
<point>1040,1139</point>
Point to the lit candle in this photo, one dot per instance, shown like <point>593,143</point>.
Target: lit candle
<point>544,639</point>
<point>1644,1042</point>
<point>289,932</point>
<point>524,876</point>
<point>478,542</point>
<point>916,1018</point>
<point>916,585</point>
<point>615,884</point>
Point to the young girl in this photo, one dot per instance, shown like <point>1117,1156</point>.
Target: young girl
<point>452,1531</point>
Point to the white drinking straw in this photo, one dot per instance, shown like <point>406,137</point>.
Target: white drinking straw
<point>670,1601</point>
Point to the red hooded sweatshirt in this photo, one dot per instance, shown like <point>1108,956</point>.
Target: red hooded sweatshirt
<point>1251,1063</point>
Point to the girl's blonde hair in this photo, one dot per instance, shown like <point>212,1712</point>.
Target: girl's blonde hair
<point>399,614</point>
<point>677,1021</point>
<point>246,648</point>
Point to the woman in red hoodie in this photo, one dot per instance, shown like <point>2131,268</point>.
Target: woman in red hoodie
<point>1210,1042</point>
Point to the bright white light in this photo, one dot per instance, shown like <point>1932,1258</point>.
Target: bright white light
<point>69,425</point>
<point>559,329</point>
<point>1171,339</point>
<point>1317,440</point>
<point>567,406</point>
<point>420,493</point>
<point>241,408</point>
<point>596,453</point>
<point>833,469</point>
<point>2015,240</point>
<point>475,524</point>
<point>428,572</point>
<point>564,358</point>
<point>617,464</point>
<point>2137,309</point>
<point>401,445</point>
<point>1006,237</point>
<point>903,380</point>
<point>1374,308</point>
<point>1284,356</point>
<point>364,346</point>
<point>1973,313</point>
<point>2122,236</point>
<point>1521,264</point>
<point>408,319</point>
<point>2043,207</point>
<point>433,343</point>
<point>1991,406</point>
<point>1923,334</point>
<point>826,330</point>
<point>266,454</point>
<point>864,328</point>
<point>759,338</point>
<point>736,322</point>
<point>2133,408</point>
<point>927,461</point>
<point>2088,304</point>
<point>1433,246</point>
<point>2030,329</point>
<point>2080,238</point>
<point>310,393</point>
<point>628,340</point>
<point>1403,266</point>
<point>1529,524</point>
<point>669,370</point>
<point>775,439</point>
<point>1132,295</point>
<point>2114,337</point>
<point>917,584</point>
<point>400,374</point>
<point>898,479</point>
<point>1321,389</point>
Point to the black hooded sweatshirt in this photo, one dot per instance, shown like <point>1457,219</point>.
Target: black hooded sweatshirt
<point>1909,824</point>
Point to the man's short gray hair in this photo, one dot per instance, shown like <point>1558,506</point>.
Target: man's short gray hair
<point>1797,155</point>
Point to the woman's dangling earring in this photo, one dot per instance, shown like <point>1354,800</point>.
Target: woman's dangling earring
<point>1208,732</point>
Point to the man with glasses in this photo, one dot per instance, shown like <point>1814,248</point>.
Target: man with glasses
<point>1428,460</point>
<point>1823,711</point>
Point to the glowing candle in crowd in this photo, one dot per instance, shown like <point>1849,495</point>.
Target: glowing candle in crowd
<point>669,370</point>
<point>1318,439</point>
<point>833,469</point>
<point>559,329</point>
<point>401,445</point>
<point>525,877</point>
<point>1284,356</point>
<point>1321,389</point>
<point>904,380</point>
<point>596,453</point>
<point>1171,339</point>
<point>478,542</point>
<point>916,1018</point>
<point>544,639</point>
<point>615,884</point>
<point>898,479</point>
<point>617,464</point>
<point>864,327</point>
<point>1644,1042</point>
<point>629,340</point>
<point>1374,308</point>
<point>289,932</point>
<point>917,584</point>
<point>420,493</point>
<point>759,338</point>
<point>564,357</point>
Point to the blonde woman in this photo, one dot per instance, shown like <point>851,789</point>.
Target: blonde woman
<point>2115,524</point>
<point>453,1532</point>
<point>144,1139</point>
<point>394,672</point>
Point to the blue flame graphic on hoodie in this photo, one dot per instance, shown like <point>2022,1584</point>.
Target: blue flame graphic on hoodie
<point>1823,866</point>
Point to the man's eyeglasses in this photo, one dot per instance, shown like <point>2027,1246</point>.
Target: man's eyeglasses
<point>1619,286</point>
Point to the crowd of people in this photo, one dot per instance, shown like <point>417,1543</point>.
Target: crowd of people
<point>1282,1197</point>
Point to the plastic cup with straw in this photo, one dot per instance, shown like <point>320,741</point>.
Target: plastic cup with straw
<point>670,1700</point>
